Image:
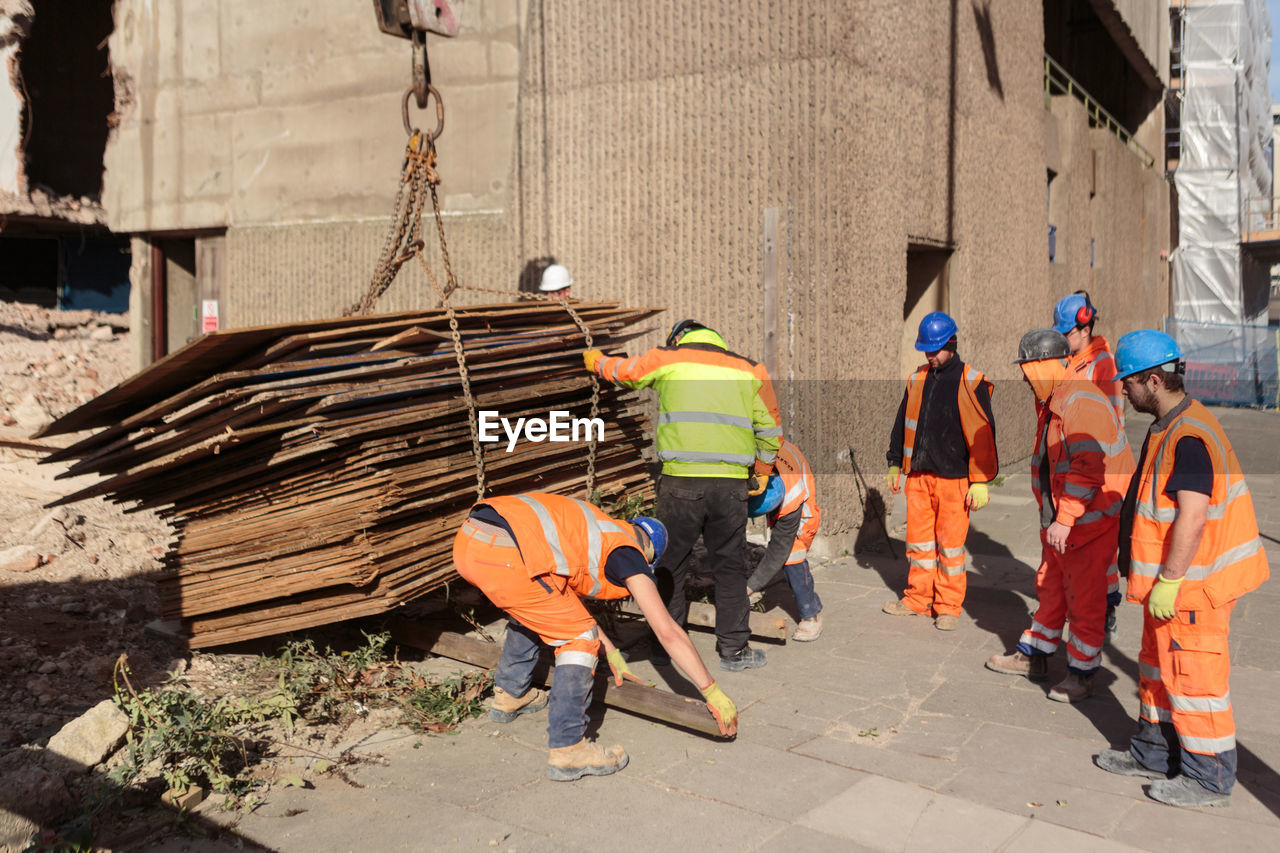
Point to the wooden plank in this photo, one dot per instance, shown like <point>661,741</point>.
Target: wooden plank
<point>648,702</point>
<point>771,625</point>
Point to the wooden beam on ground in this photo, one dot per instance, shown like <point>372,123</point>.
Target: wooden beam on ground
<point>765,626</point>
<point>648,702</point>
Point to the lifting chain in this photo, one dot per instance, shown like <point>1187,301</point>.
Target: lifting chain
<point>404,242</point>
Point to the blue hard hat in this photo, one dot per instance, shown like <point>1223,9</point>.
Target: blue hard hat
<point>1142,349</point>
<point>936,330</point>
<point>768,500</point>
<point>1073,312</point>
<point>657,533</point>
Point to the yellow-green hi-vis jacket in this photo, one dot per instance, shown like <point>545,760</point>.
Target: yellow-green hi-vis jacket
<point>717,414</point>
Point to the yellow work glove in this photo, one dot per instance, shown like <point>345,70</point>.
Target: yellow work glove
<point>893,478</point>
<point>1164,597</point>
<point>756,484</point>
<point>977,497</point>
<point>618,666</point>
<point>591,358</point>
<point>722,708</point>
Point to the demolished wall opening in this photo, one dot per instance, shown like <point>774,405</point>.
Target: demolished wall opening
<point>66,77</point>
<point>1080,42</point>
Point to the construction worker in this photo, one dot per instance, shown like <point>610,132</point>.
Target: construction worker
<point>718,435</point>
<point>944,440</point>
<point>1075,316</point>
<point>556,281</point>
<point>1189,543</point>
<point>1080,469</point>
<point>789,503</point>
<point>536,556</point>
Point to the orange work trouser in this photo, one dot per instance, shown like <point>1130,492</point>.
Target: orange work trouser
<point>1183,669</point>
<point>937,525</point>
<point>491,562</point>
<point>1073,587</point>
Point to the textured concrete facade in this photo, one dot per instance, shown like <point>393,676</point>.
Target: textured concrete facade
<point>764,169</point>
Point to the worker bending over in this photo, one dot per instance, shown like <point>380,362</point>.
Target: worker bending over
<point>536,556</point>
<point>789,503</point>
<point>718,434</point>
<point>944,440</point>
<point>1189,542</point>
<point>1080,469</point>
<point>1091,361</point>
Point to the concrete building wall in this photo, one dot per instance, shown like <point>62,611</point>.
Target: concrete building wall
<point>762,168</point>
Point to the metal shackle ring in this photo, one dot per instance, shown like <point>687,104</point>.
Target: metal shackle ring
<point>404,113</point>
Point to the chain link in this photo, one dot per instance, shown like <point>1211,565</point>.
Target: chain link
<point>404,241</point>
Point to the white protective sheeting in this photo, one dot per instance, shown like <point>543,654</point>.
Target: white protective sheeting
<point>1226,121</point>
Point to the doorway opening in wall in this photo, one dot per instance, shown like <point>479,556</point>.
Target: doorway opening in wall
<point>186,288</point>
<point>69,270</point>
<point>70,96</point>
<point>927,291</point>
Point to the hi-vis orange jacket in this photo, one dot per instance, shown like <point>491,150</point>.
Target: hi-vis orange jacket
<point>800,494</point>
<point>1095,364</point>
<point>1230,560</point>
<point>566,537</point>
<point>978,433</point>
<point>1090,463</point>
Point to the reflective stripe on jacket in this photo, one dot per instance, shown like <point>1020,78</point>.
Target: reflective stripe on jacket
<point>978,434</point>
<point>567,537</point>
<point>800,493</point>
<point>717,415</point>
<point>1096,364</point>
<point>1230,560</point>
<point>1090,462</point>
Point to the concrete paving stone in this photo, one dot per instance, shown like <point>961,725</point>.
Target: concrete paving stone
<point>862,755</point>
<point>933,736</point>
<point>1040,836</point>
<point>1155,826</point>
<point>1022,704</point>
<point>653,746</point>
<point>1086,807</point>
<point>810,840</point>
<point>1029,754</point>
<point>571,812</point>
<point>773,735</point>
<point>759,779</point>
<point>875,812</point>
<point>965,825</point>
<point>1255,695</point>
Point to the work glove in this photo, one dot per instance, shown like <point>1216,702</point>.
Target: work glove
<point>1164,597</point>
<point>722,708</point>
<point>591,358</point>
<point>756,484</point>
<point>618,666</point>
<point>977,497</point>
<point>894,478</point>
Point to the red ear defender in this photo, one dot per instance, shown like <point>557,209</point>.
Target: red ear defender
<point>1083,316</point>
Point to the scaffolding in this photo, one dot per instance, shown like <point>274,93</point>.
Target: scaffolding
<point>1221,55</point>
<point>1223,50</point>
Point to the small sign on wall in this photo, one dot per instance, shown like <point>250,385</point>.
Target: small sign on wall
<point>209,315</point>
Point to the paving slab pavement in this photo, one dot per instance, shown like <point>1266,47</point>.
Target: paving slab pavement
<point>886,734</point>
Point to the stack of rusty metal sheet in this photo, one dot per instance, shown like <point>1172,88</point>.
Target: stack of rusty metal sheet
<point>316,472</point>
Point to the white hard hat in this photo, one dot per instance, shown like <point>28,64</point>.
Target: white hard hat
<point>555,277</point>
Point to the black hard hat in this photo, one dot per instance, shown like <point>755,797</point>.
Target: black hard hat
<point>678,330</point>
<point>1039,344</point>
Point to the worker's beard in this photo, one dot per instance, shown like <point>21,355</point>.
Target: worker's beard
<point>1043,376</point>
<point>1143,399</point>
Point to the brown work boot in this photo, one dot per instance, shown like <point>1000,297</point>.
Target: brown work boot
<point>896,607</point>
<point>1034,667</point>
<point>946,622</point>
<point>1073,688</point>
<point>505,707</point>
<point>584,758</point>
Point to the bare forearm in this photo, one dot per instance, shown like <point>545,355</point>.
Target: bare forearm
<point>1184,538</point>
